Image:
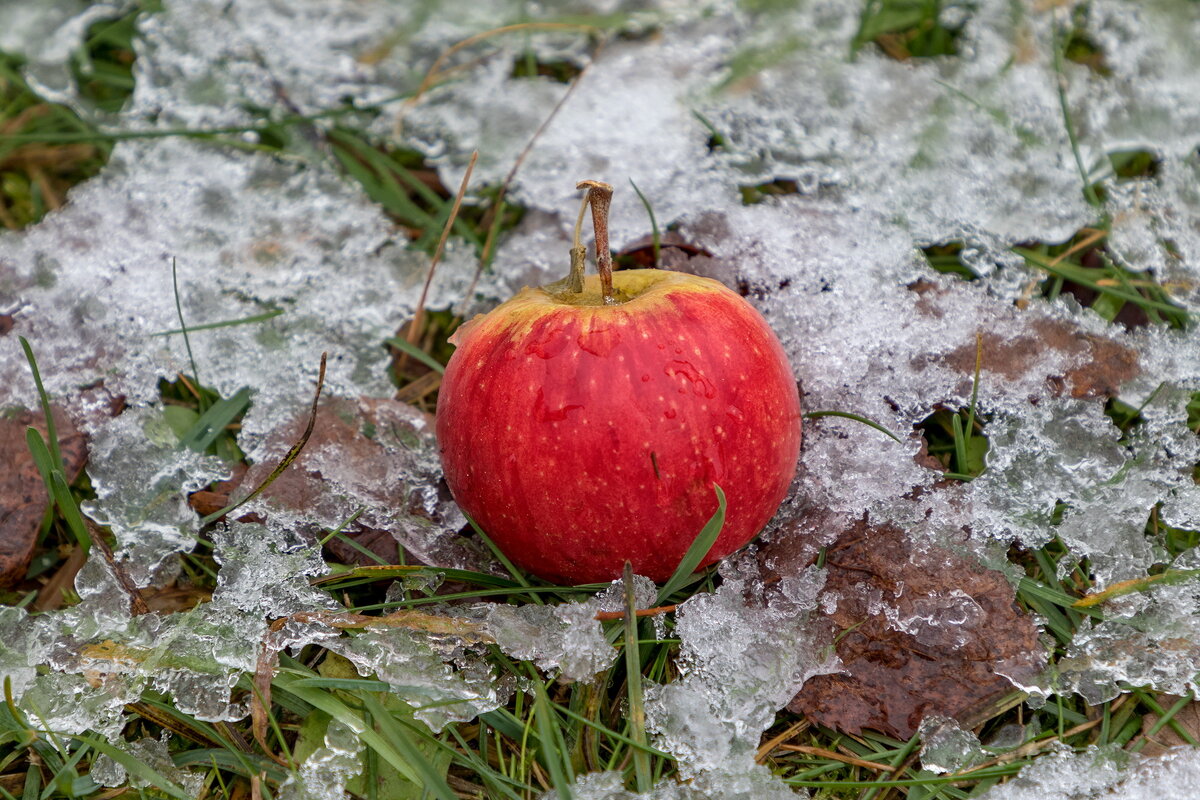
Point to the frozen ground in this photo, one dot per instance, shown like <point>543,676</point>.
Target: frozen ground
<point>886,156</point>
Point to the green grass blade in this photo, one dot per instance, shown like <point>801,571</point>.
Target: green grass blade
<point>213,421</point>
<point>960,444</point>
<point>57,488</point>
<point>70,511</point>
<point>516,573</point>
<point>1089,190</point>
<point>344,714</point>
<point>135,767</point>
<point>41,457</point>
<point>657,240</point>
<point>847,415</point>
<point>433,780</point>
<point>552,754</point>
<point>407,347</point>
<point>228,323</point>
<point>51,429</point>
<point>187,342</point>
<point>698,550</point>
<point>1083,277</point>
<point>633,683</point>
<point>33,785</point>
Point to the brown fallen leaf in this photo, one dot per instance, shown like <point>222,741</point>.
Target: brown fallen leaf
<point>1188,718</point>
<point>674,252</point>
<point>23,497</point>
<point>356,455</point>
<point>1106,363</point>
<point>919,632</point>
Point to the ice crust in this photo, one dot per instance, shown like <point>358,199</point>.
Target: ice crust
<point>946,747</point>
<point>887,157</point>
<point>746,651</point>
<point>323,775</point>
<point>106,771</point>
<point>1103,773</point>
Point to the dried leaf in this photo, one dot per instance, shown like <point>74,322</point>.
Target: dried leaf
<point>1188,718</point>
<point>23,498</point>
<point>1104,363</point>
<point>357,456</point>
<point>919,632</point>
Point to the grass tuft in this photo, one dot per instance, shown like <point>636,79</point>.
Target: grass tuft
<point>907,29</point>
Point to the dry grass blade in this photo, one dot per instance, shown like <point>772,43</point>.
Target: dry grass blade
<point>770,745</point>
<point>52,595</point>
<point>495,212</point>
<point>436,72</point>
<point>288,458</point>
<point>407,618</point>
<point>264,672</point>
<point>1092,235</point>
<point>604,616</point>
<point>1038,745</point>
<point>414,328</point>
<point>821,752</point>
<point>413,393</point>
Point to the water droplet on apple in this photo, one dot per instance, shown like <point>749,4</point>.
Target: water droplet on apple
<point>700,385</point>
<point>546,342</point>
<point>600,341</point>
<point>551,412</point>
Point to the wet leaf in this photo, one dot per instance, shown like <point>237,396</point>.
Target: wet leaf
<point>919,631</point>
<point>363,454</point>
<point>23,496</point>
<point>1161,737</point>
<point>1104,363</point>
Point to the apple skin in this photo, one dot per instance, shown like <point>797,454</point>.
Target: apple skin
<point>580,435</point>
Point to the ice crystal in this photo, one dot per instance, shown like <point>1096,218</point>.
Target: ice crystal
<point>106,771</point>
<point>324,773</point>
<point>946,747</point>
<point>741,659</point>
<point>884,157</point>
<point>1099,772</point>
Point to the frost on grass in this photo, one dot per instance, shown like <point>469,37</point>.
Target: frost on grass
<point>323,775</point>
<point>107,771</point>
<point>142,476</point>
<point>946,747</point>
<point>757,784</point>
<point>1102,772</point>
<point>47,34</point>
<point>372,459</point>
<point>745,651</point>
<point>885,158</point>
<point>1146,639</point>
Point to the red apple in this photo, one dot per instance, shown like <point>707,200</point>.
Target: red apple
<point>580,434</point>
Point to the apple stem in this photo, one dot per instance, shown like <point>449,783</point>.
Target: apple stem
<point>578,251</point>
<point>600,197</point>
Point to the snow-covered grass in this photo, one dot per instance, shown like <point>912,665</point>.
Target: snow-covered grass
<point>989,210</point>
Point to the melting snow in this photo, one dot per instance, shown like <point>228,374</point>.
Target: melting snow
<point>886,156</point>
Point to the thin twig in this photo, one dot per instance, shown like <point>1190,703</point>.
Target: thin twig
<point>287,459</point>
<point>605,616</point>
<point>435,71</point>
<point>821,752</point>
<point>414,327</point>
<point>498,206</point>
